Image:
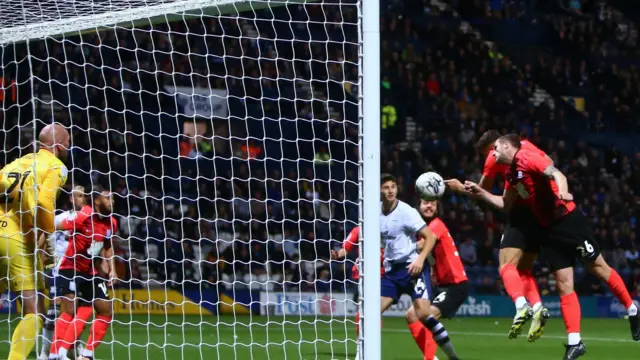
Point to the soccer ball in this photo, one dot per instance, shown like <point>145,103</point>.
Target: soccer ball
<point>430,186</point>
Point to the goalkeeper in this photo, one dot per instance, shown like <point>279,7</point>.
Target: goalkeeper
<point>19,180</point>
<point>58,243</point>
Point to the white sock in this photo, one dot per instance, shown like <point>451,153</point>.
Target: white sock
<point>521,302</point>
<point>537,306</point>
<point>86,352</point>
<point>574,339</point>
<point>632,310</point>
<point>53,357</point>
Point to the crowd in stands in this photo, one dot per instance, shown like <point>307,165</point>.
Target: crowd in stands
<point>259,193</point>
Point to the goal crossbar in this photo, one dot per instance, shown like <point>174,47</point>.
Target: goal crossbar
<point>136,17</point>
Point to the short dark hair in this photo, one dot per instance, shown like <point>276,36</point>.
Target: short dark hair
<point>387,177</point>
<point>96,191</point>
<point>512,139</point>
<point>488,138</point>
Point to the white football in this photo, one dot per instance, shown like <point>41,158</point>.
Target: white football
<point>430,186</point>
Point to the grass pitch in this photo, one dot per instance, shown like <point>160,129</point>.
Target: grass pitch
<point>244,337</point>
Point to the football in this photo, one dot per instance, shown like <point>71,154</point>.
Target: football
<point>430,186</point>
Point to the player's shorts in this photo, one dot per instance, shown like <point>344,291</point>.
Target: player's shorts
<point>397,282</point>
<point>51,278</point>
<point>450,298</point>
<point>523,231</point>
<point>18,266</point>
<point>569,239</point>
<point>83,286</point>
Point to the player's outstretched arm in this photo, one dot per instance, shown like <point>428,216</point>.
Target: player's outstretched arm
<point>503,202</point>
<point>455,185</point>
<point>561,180</point>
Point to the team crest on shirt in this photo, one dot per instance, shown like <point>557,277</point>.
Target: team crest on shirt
<point>520,175</point>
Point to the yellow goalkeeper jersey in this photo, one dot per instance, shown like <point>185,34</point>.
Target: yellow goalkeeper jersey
<point>29,187</point>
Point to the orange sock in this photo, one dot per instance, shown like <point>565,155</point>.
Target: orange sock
<point>512,282</point>
<point>357,324</point>
<point>570,306</point>
<point>619,289</point>
<point>424,339</point>
<point>530,287</point>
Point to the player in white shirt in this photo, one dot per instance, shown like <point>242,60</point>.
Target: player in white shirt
<point>405,270</point>
<point>57,244</point>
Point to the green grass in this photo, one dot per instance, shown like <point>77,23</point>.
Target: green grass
<point>192,338</point>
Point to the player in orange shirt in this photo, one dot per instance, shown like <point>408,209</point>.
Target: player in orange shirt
<point>519,245</point>
<point>450,277</point>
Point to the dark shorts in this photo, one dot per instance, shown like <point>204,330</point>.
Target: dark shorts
<point>397,282</point>
<point>85,287</point>
<point>570,239</point>
<point>523,231</point>
<point>450,298</point>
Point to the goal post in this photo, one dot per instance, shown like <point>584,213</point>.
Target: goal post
<point>241,141</point>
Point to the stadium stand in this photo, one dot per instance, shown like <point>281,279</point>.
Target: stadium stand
<point>448,74</point>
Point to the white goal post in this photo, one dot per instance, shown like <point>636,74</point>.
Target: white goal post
<point>241,142</point>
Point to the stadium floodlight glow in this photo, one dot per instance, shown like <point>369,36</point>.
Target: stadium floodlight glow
<point>240,140</point>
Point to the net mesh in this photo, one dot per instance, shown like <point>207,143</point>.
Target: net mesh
<point>15,13</point>
<point>231,146</point>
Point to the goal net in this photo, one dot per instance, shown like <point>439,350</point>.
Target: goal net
<point>228,133</point>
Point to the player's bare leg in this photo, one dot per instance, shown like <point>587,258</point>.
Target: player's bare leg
<point>104,316</point>
<point>24,336</point>
<point>540,314</point>
<point>67,312</point>
<point>604,272</point>
<point>509,260</point>
<point>570,307</point>
<point>53,313</point>
<point>423,311</point>
<point>422,336</point>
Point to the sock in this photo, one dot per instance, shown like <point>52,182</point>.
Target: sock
<point>74,330</point>
<point>619,289</point>
<point>24,337</point>
<point>358,324</point>
<point>570,307</point>
<point>47,335</point>
<point>574,339</point>
<point>97,333</point>
<point>62,324</point>
<point>513,284</point>
<point>47,330</point>
<point>441,336</point>
<point>424,339</point>
<point>530,287</point>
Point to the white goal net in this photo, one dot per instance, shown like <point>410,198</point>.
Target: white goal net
<point>228,133</point>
